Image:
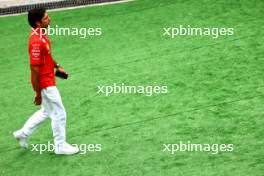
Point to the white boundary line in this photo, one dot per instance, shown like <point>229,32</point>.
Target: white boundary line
<point>75,7</point>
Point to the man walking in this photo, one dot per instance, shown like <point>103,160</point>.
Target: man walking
<point>43,82</point>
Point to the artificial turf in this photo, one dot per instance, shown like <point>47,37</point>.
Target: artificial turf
<point>215,90</point>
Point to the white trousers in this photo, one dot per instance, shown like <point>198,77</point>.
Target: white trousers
<point>51,106</point>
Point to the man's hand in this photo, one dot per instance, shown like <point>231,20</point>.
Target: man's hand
<point>61,70</point>
<point>37,100</point>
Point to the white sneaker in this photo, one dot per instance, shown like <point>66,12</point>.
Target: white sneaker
<point>66,149</point>
<point>22,138</point>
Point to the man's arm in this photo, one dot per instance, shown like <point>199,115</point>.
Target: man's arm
<point>56,65</point>
<point>35,83</point>
<point>59,67</point>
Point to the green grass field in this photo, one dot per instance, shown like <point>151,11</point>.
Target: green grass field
<point>216,90</point>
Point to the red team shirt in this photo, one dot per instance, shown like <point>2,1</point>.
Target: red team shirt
<point>40,54</point>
